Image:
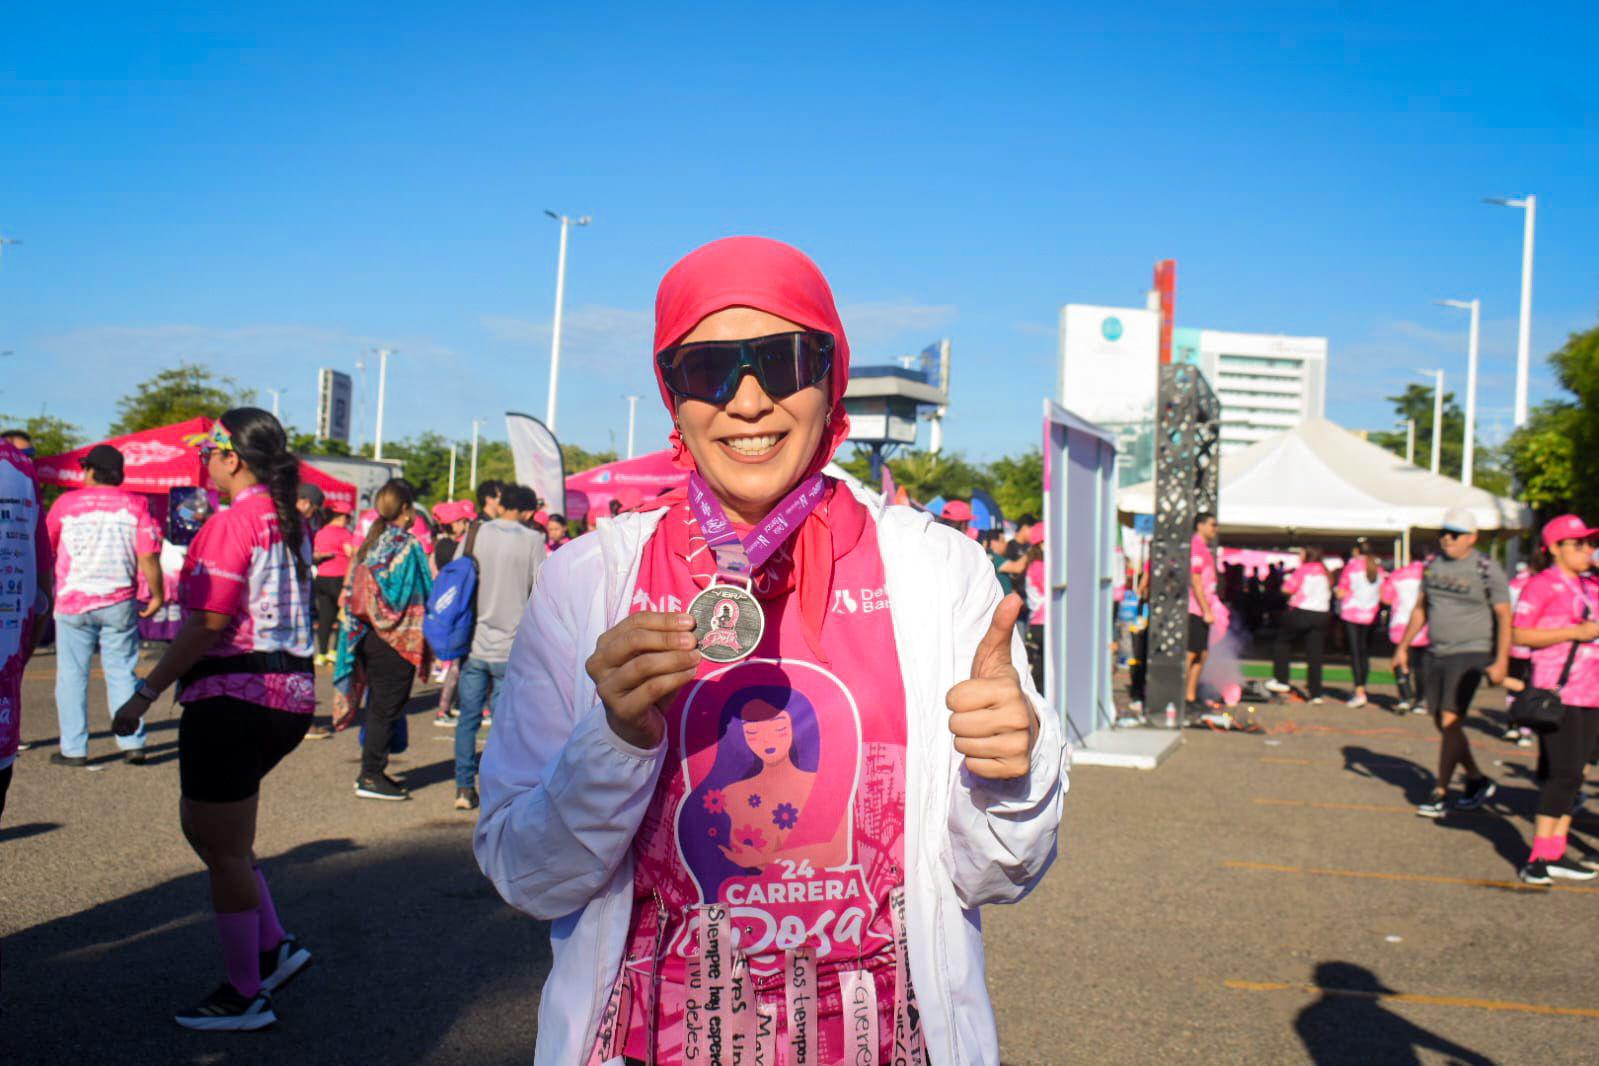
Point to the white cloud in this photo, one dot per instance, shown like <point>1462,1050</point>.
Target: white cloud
<point>239,351</point>
<point>886,322</point>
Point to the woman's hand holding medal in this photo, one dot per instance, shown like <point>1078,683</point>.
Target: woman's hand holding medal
<point>636,664</point>
<point>993,722</point>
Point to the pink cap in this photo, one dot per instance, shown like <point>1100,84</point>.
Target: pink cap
<point>1035,533</point>
<point>340,507</point>
<point>956,511</point>
<point>467,509</point>
<point>541,516</point>
<point>1566,527</point>
<point>444,512</point>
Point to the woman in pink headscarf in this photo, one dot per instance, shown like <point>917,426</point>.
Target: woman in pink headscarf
<point>770,826</point>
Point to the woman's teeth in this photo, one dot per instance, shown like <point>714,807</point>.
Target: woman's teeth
<point>752,445</point>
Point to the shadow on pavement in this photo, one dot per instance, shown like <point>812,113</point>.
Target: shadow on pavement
<point>406,937</point>
<point>27,829</point>
<point>1350,1026</point>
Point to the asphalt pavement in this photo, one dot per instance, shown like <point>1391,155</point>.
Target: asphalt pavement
<point>1259,898</point>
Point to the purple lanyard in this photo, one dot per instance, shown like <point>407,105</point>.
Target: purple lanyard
<point>737,560</point>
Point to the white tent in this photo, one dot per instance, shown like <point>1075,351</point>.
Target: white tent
<point>1320,479</point>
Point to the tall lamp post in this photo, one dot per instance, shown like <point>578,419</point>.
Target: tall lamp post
<point>383,382</point>
<point>632,416</point>
<point>560,296</point>
<point>453,449</point>
<point>277,394</point>
<point>1470,446</point>
<point>1524,327</point>
<point>1437,415</point>
<point>472,478</point>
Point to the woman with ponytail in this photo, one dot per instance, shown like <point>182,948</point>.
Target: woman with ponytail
<point>386,596</point>
<point>243,666</point>
<point>1359,596</point>
<point>766,745</point>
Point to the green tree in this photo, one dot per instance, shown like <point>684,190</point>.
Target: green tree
<point>51,435</point>
<point>578,459</point>
<point>1555,455</point>
<point>309,444</point>
<point>1416,402</point>
<point>176,394</point>
<point>1018,483</point>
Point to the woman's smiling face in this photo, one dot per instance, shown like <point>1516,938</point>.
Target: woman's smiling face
<point>771,735</point>
<point>753,449</point>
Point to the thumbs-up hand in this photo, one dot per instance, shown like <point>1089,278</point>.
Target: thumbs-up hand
<point>992,721</point>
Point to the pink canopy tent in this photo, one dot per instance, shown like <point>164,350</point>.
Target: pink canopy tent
<point>632,481</point>
<point>155,460</point>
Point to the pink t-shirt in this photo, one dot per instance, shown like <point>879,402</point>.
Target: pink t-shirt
<point>1359,597</point>
<point>1517,583</point>
<point>1309,588</point>
<point>340,541</point>
<point>24,562</point>
<point>97,535</point>
<point>239,566</point>
<point>1401,592</point>
<point>1552,600</point>
<point>783,796</point>
<point>1037,594</point>
<point>1202,561</point>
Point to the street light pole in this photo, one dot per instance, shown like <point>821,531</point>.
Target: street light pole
<point>276,395</point>
<point>1524,327</point>
<point>476,422</point>
<point>632,415</point>
<point>1469,447</point>
<point>1410,441</point>
<point>453,450</point>
<point>383,381</point>
<point>555,330</point>
<point>1437,416</point>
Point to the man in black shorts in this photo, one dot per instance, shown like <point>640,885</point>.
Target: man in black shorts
<point>1465,603</point>
<point>1201,595</point>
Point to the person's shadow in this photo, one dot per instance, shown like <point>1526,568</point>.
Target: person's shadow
<point>1350,1026</point>
<point>1408,777</point>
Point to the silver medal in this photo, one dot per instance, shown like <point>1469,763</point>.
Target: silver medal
<point>728,623</point>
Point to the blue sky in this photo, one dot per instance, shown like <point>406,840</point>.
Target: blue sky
<point>278,189</point>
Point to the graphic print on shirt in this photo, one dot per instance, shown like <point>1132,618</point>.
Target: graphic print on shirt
<point>765,822</point>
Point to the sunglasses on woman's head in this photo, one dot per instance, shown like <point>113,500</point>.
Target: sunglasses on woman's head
<point>783,363</point>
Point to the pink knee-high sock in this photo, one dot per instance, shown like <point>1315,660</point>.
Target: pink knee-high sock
<point>1557,846</point>
<point>240,932</point>
<point>271,928</point>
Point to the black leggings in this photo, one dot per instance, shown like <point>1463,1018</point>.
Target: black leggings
<point>327,609</point>
<point>1359,635</point>
<point>1312,625</point>
<point>388,677</point>
<point>1561,759</point>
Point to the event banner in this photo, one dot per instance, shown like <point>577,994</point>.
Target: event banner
<point>538,459</point>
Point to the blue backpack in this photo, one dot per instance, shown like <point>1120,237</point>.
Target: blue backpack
<point>452,608</point>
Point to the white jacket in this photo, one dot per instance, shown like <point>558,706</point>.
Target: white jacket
<point>563,795</point>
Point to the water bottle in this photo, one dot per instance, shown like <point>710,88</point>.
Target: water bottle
<point>1171,715</point>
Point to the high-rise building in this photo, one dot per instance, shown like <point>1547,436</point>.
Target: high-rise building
<point>1266,382</point>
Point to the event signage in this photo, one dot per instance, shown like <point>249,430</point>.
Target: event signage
<point>333,392</point>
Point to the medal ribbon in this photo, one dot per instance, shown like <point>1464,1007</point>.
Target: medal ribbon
<point>738,559</point>
<point>799,990</point>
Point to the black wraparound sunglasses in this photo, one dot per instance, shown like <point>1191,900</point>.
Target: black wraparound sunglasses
<point>783,363</point>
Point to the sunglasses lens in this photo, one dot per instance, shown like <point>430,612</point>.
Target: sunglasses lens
<point>706,372</point>
<point>789,362</point>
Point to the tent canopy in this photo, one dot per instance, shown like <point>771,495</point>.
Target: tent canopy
<point>167,457</point>
<point>632,481</point>
<point>1320,479</point>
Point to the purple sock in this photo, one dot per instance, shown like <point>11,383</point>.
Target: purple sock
<point>241,950</point>
<point>271,928</point>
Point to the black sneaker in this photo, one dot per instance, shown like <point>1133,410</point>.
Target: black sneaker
<point>381,787</point>
<point>1477,793</point>
<point>1536,873</point>
<point>1570,870</point>
<point>58,759</point>
<point>135,757</point>
<point>226,1010</point>
<point>1435,805</point>
<point>280,964</point>
<point>466,799</point>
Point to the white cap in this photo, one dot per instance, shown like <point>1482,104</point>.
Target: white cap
<point>1460,520</point>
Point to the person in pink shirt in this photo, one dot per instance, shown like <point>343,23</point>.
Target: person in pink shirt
<point>1520,659</point>
<point>331,549</point>
<point>104,540</point>
<point>1359,595</point>
<point>1037,603</point>
<point>1557,616</point>
<point>1400,591</point>
<point>1202,599</point>
<point>24,595</point>
<point>245,674</point>
<point>1309,605</point>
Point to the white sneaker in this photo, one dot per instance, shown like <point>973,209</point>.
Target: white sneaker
<point>1274,685</point>
<point>1358,701</point>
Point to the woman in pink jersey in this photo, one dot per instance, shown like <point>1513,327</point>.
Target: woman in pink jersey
<point>1359,595</point>
<point>1557,616</point>
<point>1309,603</point>
<point>765,746</point>
<point>245,674</point>
<point>1400,592</point>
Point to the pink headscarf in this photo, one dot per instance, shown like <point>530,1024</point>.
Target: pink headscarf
<point>781,280</point>
<point>764,274</point>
